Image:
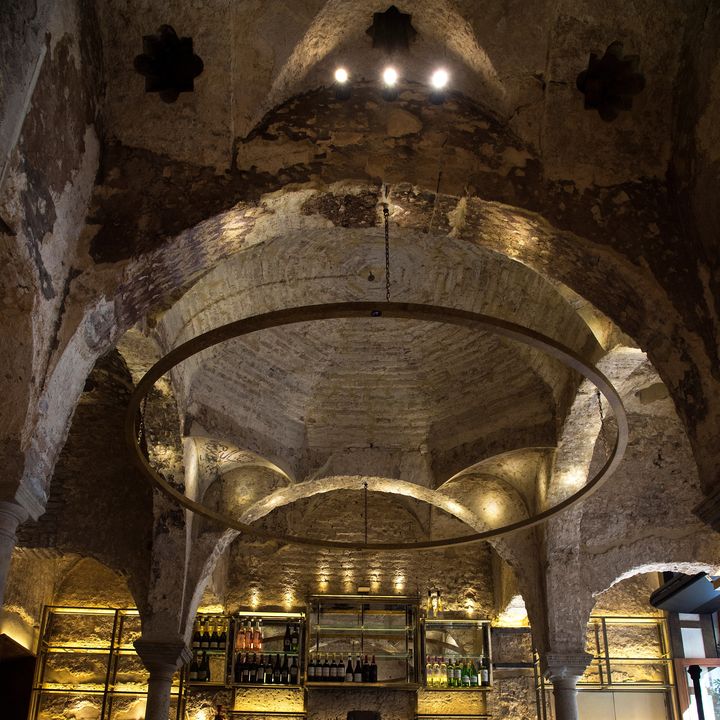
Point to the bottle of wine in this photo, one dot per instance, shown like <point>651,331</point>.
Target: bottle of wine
<point>484,670</point>
<point>205,637</point>
<point>373,670</point>
<point>457,673</point>
<point>357,674</point>
<point>277,672</point>
<point>196,637</point>
<point>429,677</point>
<point>466,673</point>
<point>246,668</point>
<point>204,670</point>
<point>193,672</point>
<point>443,673</point>
<point>436,672</point>
<point>237,670</point>
<point>285,671</point>
<point>249,635</point>
<point>223,639</point>
<point>268,673</point>
<point>214,638</point>
<point>294,671</point>
<point>473,674</point>
<point>311,669</point>
<point>286,639</point>
<point>349,670</point>
<point>258,635</point>
<point>239,636</point>
<point>326,669</point>
<point>294,638</point>
<point>366,670</point>
<point>253,669</point>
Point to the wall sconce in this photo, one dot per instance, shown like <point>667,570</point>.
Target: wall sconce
<point>434,603</point>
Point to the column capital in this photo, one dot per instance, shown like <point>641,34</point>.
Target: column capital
<point>566,667</point>
<point>163,658</point>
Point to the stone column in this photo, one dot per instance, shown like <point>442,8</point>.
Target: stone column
<point>564,671</point>
<point>11,515</point>
<point>161,659</point>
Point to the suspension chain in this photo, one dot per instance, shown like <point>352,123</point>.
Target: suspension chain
<point>365,485</point>
<point>386,216</point>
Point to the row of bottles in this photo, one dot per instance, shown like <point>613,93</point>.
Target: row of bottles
<point>248,669</point>
<point>199,668</point>
<point>460,673</point>
<point>210,634</point>
<point>249,635</point>
<point>331,670</point>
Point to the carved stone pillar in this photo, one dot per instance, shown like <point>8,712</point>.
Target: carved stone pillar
<point>162,659</point>
<point>11,515</point>
<point>563,671</point>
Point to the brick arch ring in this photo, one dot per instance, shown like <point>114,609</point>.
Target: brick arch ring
<point>378,312</point>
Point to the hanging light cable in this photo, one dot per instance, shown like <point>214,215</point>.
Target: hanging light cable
<point>386,216</point>
<point>365,486</point>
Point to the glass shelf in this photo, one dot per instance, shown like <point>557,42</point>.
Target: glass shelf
<point>354,685</point>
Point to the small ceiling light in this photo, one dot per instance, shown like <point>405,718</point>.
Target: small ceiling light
<point>439,79</point>
<point>390,76</point>
<point>342,86</point>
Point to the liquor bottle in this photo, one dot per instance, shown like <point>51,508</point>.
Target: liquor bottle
<point>436,672</point>
<point>223,639</point>
<point>284,671</point>
<point>286,639</point>
<point>333,669</point>
<point>326,669</point>
<point>249,635</point>
<point>373,670</point>
<point>457,673</point>
<point>366,670</point>
<point>473,674</point>
<point>277,672</point>
<point>349,670</point>
<point>205,637</point>
<point>357,674</point>
<point>239,636</point>
<point>246,668</point>
<point>311,669</point>
<point>268,672</point>
<point>214,638</point>
<point>294,671</point>
<point>196,637</point>
<point>258,635</point>
<point>294,638</point>
<point>193,672</point>
<point>253,669</point>
<point>260,673</point>
<point>443,673</point>
<point>484,671</point>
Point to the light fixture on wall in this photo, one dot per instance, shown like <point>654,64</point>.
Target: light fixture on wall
<point>434,603</point>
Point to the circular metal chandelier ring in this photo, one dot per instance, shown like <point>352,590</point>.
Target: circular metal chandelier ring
<point>377,311</point>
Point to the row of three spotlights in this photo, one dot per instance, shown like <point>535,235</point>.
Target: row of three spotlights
<point>439,79</point>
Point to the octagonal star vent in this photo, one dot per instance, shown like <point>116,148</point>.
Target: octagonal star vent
<point>610,82</point>
<point>392,30</point>
<point>168,64</point>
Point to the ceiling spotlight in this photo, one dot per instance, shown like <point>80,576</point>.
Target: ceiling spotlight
<point>342,86</point>
<point>390,76</point>
<point>439,79</point>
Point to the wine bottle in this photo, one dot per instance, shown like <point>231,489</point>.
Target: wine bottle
<point>311,669</point>
<point>436,672</point>
<point>333,669</point>
<point>366,670</point>
<point>204,671</point>
<point>214,638</point>
<point>294,671</point>
<point>267,679</point>
<point>277,670</point>
<point>196,637</point>
<point>349,670</point>
<point>239,636</point>
<point>457,674</point>
<point>284,671</point>
<point>193,672</point>
<point>429,678</point>
<point>237,670</point>
<point>249,635</point>
<point>465,674</point>
<point>253,669</point>
<point>484,670</point>
<point>443,673</point>
<point>286,639</point>
<point>223,639</point>
<point>294,638</point>
<point>246,668</point>
<point>326,669</point>
<point>373,670</point>
<point>258,636</point>
<point>357,674</point>
<point>205,637</point>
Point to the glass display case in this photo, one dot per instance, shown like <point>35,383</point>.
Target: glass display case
<point>362,641</point>
<point>456,654</point>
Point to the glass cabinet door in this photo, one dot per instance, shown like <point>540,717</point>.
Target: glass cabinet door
<point>375,636</point>
<point>456,654</point>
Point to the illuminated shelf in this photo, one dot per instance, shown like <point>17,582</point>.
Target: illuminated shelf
<point>479,688</point>
<point>361,628</point>
<point>268,686</point>
<point>356,685</point>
